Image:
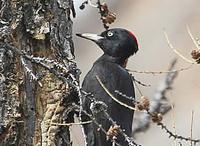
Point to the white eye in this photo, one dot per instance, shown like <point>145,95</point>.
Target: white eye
<point>110,34</point>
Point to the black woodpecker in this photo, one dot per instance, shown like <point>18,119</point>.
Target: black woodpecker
<point>118,45</point>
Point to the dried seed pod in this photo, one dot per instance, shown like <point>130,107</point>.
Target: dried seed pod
<point>156,117</point>
<point>113,131</point>
<point>143,104</point>
<point>110,18</point>
<point>107,16</point>
<point>195,54</point>
<point>104,8</point>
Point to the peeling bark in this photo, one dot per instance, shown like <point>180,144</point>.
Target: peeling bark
<point>39,28</point>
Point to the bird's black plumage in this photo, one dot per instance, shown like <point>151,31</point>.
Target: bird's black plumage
<point>118,45</point>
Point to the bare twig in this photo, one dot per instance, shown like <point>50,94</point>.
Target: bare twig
<point>177,136</point>
<point>159,96</point>
<point>127,97</point>
<point>159,101</point>
<point>139,82</point>
<point>192,37</point>
<point>171,134</point>
<point>112,96</point>
<point>137,87</point>
<point>71,124</point>
<point>95,122</point>
<point>150,114</point>
<point>107,17</point>
<point>161,72</point>
<point>121,131</point>
<point>102,14</point>
<point>45,66</point>
<point>176,51</point>
<point>191,128</point>
<point>174,124</point>
<point>114,123</point>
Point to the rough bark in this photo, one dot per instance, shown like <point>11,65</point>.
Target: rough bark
<point>32,99</point>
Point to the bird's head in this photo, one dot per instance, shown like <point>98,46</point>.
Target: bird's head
<point>117,42</point>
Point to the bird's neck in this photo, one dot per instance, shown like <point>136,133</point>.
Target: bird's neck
<point>120,61</point>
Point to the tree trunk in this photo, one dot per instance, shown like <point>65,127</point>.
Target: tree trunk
<point>32,101</point>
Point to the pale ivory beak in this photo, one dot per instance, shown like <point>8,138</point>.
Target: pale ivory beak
<point>90,36</point>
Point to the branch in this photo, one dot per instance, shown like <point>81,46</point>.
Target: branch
<point>112,96</point>
<point>107,17</point>
<point>175,136</point>
<point>103,109</point>
<point>159,101</point>
<point>192,37</point>
<point>39,62</point>
<point>176,51</point>
<point>162,72</point>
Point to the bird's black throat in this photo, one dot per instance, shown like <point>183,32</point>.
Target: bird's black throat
<point>118,60</point>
